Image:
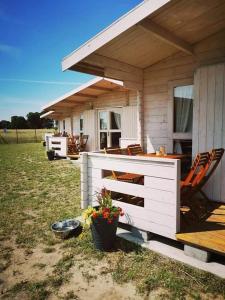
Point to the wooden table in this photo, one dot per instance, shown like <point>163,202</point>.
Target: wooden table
<point>169,155</point>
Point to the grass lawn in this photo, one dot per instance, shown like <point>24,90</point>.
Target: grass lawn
<point>22,135</point>
<point>35,265</point>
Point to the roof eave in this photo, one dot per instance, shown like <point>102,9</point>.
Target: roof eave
<point>130,19</point>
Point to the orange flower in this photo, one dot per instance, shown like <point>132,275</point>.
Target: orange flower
<point>94,215</point>
<point>105,215</point>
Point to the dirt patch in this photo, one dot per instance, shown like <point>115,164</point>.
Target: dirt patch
<point>86,280</point>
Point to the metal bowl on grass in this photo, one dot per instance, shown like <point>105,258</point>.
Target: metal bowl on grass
<point>66,228</point>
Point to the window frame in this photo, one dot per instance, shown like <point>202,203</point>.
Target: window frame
<point>171,134</point>
<point>81,118</point>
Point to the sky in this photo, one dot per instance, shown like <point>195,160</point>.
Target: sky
<point>35,36</point>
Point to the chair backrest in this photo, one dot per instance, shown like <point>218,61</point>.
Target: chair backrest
<point>198,169</point>
<point>113,151</point>
<point>203,167</point>
<point>83,142</point>
<point>134,149</point>
<point>214,160</point>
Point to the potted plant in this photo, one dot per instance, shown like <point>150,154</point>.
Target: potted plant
<point>50,154</point>
<point>103,221</point>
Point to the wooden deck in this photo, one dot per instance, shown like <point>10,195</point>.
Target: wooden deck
<point>209,233</point>
<point>73,156</point>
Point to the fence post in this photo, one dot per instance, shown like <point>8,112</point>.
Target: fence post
<point>84,180</point>
<point>17,139</point>
<point>35,135</point>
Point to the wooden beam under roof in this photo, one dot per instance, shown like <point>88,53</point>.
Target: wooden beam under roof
<point>100,88</point>
<point>166,36</point>
<point>117,70</point>
<point>130,19</point>
<point>86,95</point>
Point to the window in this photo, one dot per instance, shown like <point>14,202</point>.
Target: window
<point>81,124</point>
<point>64,125</point>
<point>109,128</point>
<point>182,119</point>
<point>183,109</point>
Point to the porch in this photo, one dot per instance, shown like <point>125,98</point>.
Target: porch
<point>154,206</point>
<point>207,234</point>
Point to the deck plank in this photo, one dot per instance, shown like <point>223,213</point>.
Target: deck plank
<point>209,234</point>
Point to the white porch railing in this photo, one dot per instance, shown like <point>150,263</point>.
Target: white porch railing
<point>161,189</point>
<point>59,144</point>
<point>46,139</point>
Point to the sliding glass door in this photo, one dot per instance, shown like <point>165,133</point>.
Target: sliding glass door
<point>109,127</point>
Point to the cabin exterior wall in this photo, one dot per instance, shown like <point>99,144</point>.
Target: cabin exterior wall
<point>117,99</point>
<point>209,121</point>
<point>179,69</point>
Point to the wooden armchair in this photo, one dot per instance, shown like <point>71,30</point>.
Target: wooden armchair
<point>214,160</point>
<point>202,169</point>
<point>72,145</point>
<point>135,149</point>
<point>83,142</point>
<point>126,177</point>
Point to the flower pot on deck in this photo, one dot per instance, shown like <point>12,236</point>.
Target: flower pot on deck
<point>104,233</point>
<point>51,154</point>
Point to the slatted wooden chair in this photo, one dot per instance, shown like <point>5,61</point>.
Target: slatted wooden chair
<point>72,145</point>
<point>83,142</point>
<point>214,160</point>
<point>202,169</point>
<point>135,149</point>
<point>126,177</point>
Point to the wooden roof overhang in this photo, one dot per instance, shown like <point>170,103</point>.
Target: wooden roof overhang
<point>86,93</point>
<point>152,31</point>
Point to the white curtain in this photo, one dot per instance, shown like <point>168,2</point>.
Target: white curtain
<point>183,102</point>
<point>117,119</point>
<point>183,112</point>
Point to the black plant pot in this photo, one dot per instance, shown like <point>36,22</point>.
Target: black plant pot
<point>51,155</point>
<point>104,233</point>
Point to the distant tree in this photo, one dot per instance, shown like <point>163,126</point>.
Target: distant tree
<point>18,122</point>
<point>47,123</point>
<point>34,120</point>
<point>5,124</point>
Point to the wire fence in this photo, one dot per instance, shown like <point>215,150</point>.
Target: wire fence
<point>19,136</point>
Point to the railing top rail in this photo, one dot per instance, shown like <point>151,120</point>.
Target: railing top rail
<point>134,158</point>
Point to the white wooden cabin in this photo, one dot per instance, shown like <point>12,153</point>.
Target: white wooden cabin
<point>102,108</point>
<point>162,50</point>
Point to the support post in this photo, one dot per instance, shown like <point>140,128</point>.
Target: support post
<point>71,125</point>
<point>84,180</point>
<point>140,118</point>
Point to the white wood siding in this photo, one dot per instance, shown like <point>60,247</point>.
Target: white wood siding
<point>76,124</point>
<point>157,82</point>
<point>161,189</point>
<point>68,125</point>
<point>90,128</point>
<point>129,122</point>
<point>209,122</point>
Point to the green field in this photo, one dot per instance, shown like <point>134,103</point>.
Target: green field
<point>13,136</point>
<point>35,265</point>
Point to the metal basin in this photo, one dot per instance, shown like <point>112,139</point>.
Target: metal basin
<point>66,228</point>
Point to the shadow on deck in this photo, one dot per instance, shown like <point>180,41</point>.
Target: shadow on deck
<point>208,232</point>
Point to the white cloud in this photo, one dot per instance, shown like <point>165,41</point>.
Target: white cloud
<point>39,81</point>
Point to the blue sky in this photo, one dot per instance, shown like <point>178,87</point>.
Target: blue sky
<point>35,36</point>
